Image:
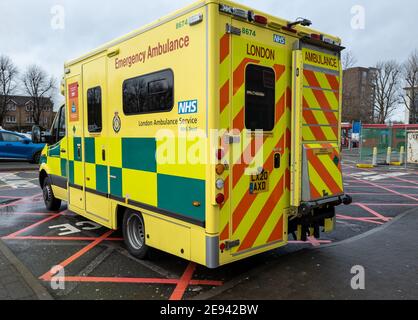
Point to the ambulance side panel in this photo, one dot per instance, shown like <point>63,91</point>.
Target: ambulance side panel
<point>150,146</point>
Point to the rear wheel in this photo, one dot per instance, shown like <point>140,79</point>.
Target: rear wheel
<point>51,203</point>
<point>134,234</point>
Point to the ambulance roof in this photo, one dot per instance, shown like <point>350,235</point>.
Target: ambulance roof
<point>196,5</point>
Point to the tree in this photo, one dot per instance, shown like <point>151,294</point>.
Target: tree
<point>348,60</point>
<point>410,79</point>
<point>8,74</point>
<point>386,82</point>
<point>40,88</point>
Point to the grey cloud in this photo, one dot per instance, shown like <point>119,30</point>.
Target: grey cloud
<point>27,37</point>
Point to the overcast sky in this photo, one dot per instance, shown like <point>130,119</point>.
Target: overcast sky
<point>26,35</point>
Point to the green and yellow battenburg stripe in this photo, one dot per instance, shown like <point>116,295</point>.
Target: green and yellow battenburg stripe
<point>132,173</point>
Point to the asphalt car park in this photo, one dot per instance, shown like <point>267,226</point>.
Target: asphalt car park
<point>97,265</point>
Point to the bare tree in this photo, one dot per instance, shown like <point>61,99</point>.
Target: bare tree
<point>348,60</point>
<point>39,87</point>
<point>410,78</point>
<point>8,74</point>
<point>387,81</point>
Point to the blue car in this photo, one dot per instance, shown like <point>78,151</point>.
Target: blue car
<point>18,147</point>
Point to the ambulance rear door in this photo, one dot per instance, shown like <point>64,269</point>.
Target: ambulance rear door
<point>316,174</point>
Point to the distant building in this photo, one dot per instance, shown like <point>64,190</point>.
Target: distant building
<point>19,115</point>
<point>358,95</point>
<point>411,117</point>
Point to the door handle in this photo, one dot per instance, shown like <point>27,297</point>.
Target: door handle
<point>63,151</point>
<point>79,151</point>
<point>104,155</point>
<point>277,160</point>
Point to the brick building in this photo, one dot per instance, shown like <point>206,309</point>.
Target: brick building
<point>358,95</point>
<point>19,116</point>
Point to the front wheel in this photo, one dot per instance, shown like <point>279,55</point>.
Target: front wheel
<point>36,158</point>
<point>134,234</point>
<point>51,203</point>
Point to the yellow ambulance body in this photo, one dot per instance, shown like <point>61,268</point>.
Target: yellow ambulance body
<point>215,66</point>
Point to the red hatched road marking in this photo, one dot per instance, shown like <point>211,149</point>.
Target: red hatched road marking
<point>138,280</point>
<point>61,238</point>
<point>373,212</point>
<point>13,235</point>
<point>369,220</point>
<point>183,282</point>
<point>386,189</point>
<point>48,275</point>
<point>311,241</point>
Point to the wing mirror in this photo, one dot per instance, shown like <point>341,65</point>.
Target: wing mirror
<point>36,134</point>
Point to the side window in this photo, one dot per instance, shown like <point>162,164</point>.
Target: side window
<point>8,137</point>
<point>62,124</point>
<point>260,95</point>
<point>94,110</point>
<point>150,93</point>
<point>54,129</point>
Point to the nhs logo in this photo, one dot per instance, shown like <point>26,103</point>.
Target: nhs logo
<point>279,39</point>
<point>188,107</point>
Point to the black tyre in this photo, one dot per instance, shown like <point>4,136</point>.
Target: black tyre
<point>51,203</point>
<point>36,158</point>
<point>134,234</point>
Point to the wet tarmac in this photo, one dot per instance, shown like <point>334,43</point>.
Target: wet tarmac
<point>97,265</point>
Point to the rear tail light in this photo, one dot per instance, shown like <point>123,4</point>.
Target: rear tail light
<point>220,154</point>
<point>220,199</point>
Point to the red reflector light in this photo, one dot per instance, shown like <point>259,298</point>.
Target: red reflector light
<point>260,19</point>
<point>289,30</point>
<point>220,198</point>
<point>222,247</point>
<point>316,36</point>
<point>220,154</point>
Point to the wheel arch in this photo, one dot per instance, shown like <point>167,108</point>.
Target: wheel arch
<point>42,176</point>
<point>120,212</point>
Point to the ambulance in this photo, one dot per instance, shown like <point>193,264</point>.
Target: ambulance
<point>212,134</point>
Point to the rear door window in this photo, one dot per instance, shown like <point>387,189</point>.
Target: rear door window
<point>260,95</point>
<point>94,110</point>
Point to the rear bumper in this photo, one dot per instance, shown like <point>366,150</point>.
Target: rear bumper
<point>335,201</point>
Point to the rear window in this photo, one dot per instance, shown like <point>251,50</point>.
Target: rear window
<point>149,93</point>
<point>260,95</point>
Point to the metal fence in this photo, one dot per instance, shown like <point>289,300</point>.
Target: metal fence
<point>382,139</point>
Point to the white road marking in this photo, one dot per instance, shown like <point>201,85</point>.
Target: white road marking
<point>385,176</point>
<point>375,176</point>
<point>16,182</point>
